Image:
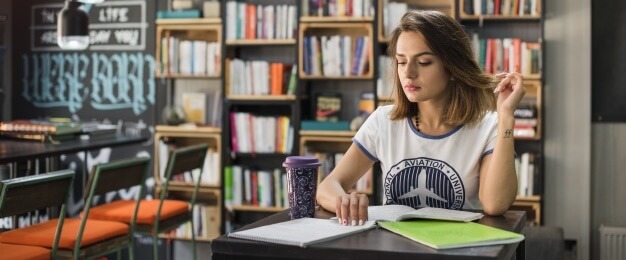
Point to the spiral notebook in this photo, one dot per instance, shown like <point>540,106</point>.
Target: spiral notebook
<point>301,232</point>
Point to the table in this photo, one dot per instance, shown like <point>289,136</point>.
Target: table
<point>12,150</point>
<point>372,244</point>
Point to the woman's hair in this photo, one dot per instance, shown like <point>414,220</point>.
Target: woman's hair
<point>470,92</point>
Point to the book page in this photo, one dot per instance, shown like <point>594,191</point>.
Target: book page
<point>402,212</point>
<point>442,214</point>
<point>387,212</point>
<point>301,232</point>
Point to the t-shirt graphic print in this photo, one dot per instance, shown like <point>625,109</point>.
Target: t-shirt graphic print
<point>424,182</point>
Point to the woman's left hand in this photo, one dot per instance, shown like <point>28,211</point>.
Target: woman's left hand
<point>510,92</point>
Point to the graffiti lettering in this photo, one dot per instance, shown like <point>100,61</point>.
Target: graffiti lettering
<point>117,81</point>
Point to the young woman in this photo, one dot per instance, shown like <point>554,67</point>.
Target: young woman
<point>440,144</point>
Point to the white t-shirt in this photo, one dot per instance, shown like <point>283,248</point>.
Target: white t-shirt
<point>421,170</point>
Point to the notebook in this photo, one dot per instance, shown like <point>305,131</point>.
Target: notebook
<point>440,234</point>
<point>301,232</point>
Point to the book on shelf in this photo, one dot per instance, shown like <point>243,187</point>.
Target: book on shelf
<point>527,174</point>
<point>195,106</point>
<point>325,125</point>
<point>93,130</point>
<point>448,234</point>
<point>252,187</point>
<point>402,212</point>
<point>182,4</point>
<point>178,14</point>
<point>328,107</point>
<point>366,104</point>
<point>52,130</point>
<point>301,232</point>
<point>47,126</point>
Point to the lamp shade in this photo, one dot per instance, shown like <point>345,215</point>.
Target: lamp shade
<point>72,27</point>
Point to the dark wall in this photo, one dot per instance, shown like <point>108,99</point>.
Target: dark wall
<point>112,81</point>
<point>608,56</point>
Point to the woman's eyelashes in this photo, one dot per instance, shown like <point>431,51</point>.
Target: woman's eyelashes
<point>421,63</point>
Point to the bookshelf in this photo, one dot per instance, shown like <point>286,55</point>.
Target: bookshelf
<point>523,25</point>
<point>209,197</point>
<point>188,57</point>
<point>188,48</point>
<point>248,50</point>
<point>260,82</point>
<point>336,51</point>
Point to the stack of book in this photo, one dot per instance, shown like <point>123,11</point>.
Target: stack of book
<point>181,9</point>
<point>41,130</point>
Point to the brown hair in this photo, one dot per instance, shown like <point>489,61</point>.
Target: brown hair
<point>470,92</point>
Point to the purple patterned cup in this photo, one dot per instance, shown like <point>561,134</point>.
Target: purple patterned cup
<point>301,185</point>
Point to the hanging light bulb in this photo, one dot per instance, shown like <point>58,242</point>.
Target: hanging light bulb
<point>72,27</point>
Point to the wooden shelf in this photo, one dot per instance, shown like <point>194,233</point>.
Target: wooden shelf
<point>311,133</point>
<point>490,17</point>
<point>354,30</point>
<point>179,185</point>
<point>533,209</point>
<point>181,130</point>
<point>188,21</point>
<point>308,77</point>
<point>330,142</point>
<point>208,30</point>
<point>209,195</point>
<point>447,7</point>
<point>330,19</point>
<point>263,42</point>
<point>534,198</point>
<point>186,76</point>
<point>255,208</point>
<point>496,17</point>
<point>262,97</point>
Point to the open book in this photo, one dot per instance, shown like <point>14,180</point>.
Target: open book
<point>301,232</point>
<point>306,231</point>
<point>447,234</point>
<point>402,212</point>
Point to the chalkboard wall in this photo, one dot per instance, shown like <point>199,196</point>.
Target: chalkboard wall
<point>608,56</point>
<point>112,81</point>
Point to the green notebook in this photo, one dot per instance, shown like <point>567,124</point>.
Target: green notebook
<point>446,234</point>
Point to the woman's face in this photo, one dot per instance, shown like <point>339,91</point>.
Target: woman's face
<point>422,74</point>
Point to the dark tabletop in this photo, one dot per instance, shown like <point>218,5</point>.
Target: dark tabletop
<point>373,244</point>
<point>12,150</point>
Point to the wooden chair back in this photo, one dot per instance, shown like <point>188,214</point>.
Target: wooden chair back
<point>30,193</point>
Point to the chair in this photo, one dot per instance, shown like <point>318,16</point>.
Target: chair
<point>23,195</point>
<point>160,215</point>
<point>90,238</point>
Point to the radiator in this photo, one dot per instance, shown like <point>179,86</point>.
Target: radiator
<point>612,243</point>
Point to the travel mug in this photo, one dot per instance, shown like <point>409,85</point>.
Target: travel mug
<point>301,185</point>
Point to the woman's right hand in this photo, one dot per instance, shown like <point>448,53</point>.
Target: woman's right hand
<point>351,209</point>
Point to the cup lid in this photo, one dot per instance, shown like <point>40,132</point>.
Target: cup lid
<point>301,162</point>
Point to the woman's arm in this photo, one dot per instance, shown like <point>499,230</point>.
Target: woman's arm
<point>498,180</point>
<point>351,209</point>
